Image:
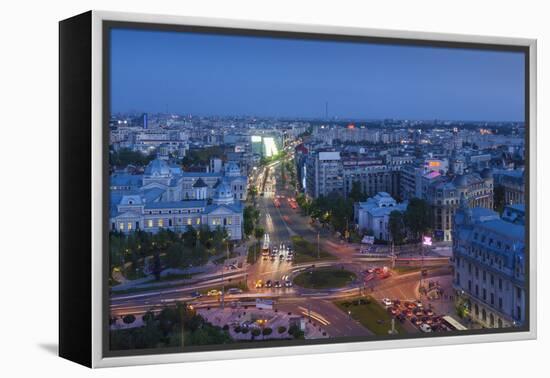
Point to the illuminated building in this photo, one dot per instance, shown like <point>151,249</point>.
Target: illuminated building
<point>489,264</point>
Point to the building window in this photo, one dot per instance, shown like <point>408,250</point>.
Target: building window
<point>216,221</point>
<point>229,220</point>
<point>189,221</point>
<point>500,303</point>
<point>150,223</point>
<point>129,226</point>
<point>198,221</point>
<point>161,222</point>
<point>121,226</point>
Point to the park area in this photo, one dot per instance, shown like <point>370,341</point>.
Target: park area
<point>370,313</point>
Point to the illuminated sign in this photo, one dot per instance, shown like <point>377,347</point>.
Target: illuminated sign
<point>256,138</point>
<point>427,240</point>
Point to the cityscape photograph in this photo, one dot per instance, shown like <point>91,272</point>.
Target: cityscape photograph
<point>272,190</point>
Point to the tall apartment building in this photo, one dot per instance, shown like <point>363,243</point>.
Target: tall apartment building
<point>324,174</point>
<point>373,174</point>
<point>489,264</point>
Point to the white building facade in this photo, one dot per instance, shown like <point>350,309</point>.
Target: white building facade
<point>374,214</point>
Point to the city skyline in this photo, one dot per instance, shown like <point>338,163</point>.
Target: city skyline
<point>357,80</point>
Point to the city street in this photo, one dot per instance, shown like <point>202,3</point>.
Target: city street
<point>281,223</point>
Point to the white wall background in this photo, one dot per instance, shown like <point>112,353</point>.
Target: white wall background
<point>29,190</point>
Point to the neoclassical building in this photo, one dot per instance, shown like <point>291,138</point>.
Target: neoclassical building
<point>444,194</point>
<point>167,197</point>
<point>374,214</point>
<point>489,264</point>
<point>178,185</point>
<point>133,211</point>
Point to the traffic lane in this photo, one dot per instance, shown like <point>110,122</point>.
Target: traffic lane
<point>326,315</point>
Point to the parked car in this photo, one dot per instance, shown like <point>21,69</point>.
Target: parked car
<point>234,290</point>
<point>196,294</point>
<point>425,328</point>
<point>288,283</point>
<point>402,317</point>
<point>277,284</point>
<point>268,283</point>
<point>387,302</point>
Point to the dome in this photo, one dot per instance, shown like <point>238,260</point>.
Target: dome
<point>157,167</point>
<point>460,181</point>
<point>223,194</point>
<point>487,173</point>
<point>232,169</point>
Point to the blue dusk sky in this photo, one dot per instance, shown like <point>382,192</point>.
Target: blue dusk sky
<point>206,74</point>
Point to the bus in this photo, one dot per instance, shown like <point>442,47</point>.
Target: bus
<point>265,245</point>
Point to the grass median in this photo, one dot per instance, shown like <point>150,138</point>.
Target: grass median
<point>324,278</point>
<point>305,251</point>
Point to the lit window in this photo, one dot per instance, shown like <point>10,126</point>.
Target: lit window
<point>150,223</point>
<point>129,226</point>
<point>216,221</point>
<point>189,221</point>
<point>229,220</point>
<point>161,223</point>
<point>198,221</point>
<point>121,226</point>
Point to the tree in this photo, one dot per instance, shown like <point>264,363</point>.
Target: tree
<point>250,218</point>
<point>356,194</point>
<point>190,237</point>
<point>259,233</point>
<point>174,255</point>
<point>396,226</point>
<point>157,268</point>
<point>417,217</point>
<point>129,319</point>
<point>499,201</point>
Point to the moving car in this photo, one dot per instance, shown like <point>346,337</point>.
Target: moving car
<point>234,290</point>
<point>268,283</point>
<point>259,284</point>
<point>288,283</point>
<point>196,294</point>
<point>214,292</point>
<point>277,284</point>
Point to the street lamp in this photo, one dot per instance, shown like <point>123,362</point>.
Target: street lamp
<point>318,249</point>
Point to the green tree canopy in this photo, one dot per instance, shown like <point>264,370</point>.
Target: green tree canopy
<point>417,217</point>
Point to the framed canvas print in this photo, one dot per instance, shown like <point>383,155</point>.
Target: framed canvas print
<point>234,189</point>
